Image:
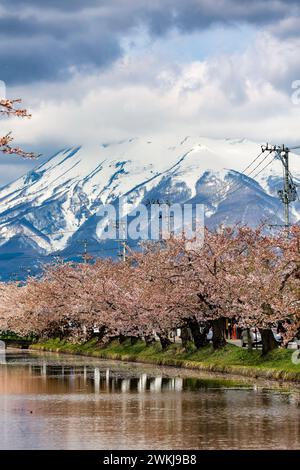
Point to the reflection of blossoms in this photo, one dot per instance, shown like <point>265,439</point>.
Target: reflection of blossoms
<point>2,353</point>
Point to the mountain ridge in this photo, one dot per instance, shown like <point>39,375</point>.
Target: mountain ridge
<point>47,211</point>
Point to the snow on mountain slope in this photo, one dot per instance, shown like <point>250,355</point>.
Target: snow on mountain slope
<point>55,204</point>
<point>62,193</point>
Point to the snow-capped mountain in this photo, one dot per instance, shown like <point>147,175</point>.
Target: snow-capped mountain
<point>54,207</point>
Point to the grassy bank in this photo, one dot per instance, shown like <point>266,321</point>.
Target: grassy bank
<point>232,359</point>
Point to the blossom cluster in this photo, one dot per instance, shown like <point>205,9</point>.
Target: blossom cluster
<point>240,274</point>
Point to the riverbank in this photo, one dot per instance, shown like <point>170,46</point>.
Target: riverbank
<point>277,365</point>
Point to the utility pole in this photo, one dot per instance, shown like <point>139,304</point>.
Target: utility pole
<point>168,217</point>
<point>85,244</point>
<point>123,251</point>
<point>85,255</point>
<point>123,243</point>
<point>121,227</point>
<point>289,192</point>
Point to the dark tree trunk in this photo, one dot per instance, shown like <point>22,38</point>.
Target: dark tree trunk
<point>122,339</point>
<point>89,334</point>
<point>203,335</point>
<point>218,338</point>
<point>164,341</point>
<point>133,339</point>
<point>101,334</point>
<point>149,340</point>
<point>268,341</point>
<point>199,337</point>
<point>185,336</point>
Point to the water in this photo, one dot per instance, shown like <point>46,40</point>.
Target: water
<point>48,401</point>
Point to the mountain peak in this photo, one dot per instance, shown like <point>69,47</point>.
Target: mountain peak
<point>58,199</point>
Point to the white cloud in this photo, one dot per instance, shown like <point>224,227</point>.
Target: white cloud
<point>237,95</point>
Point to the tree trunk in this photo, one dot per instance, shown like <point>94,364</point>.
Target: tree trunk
<point>164,341</point>
<point>101,334</point>
<point>249,340</point>
<point>199,337</point>
<point>268,341</point>
<point>149,340</point>
<point>122,339</point>
<point>218,338</point>
<point>133,339</point>
<point>185,336</point>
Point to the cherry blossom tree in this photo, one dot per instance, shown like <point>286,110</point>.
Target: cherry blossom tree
<point>10,315</point>
<point>196,291</point>
<point>240,274</point>
<point>10,108</point>
<point>264,282</point>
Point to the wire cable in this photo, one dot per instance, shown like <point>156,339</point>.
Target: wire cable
<point>235,185</point>
<point>269,163</point>
<point>257,166</point>
<point>241,185</point>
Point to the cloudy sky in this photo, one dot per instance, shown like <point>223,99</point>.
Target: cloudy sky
<point>106,70</point>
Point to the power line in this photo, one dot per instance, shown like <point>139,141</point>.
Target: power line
<point>62,232</point>
<point>23,269</point>
<point>235,186</point>
<point>257,166</point>
<point>78,253</point>
<point>269,163</point>
<point>239,185</point>
<point>68,254</point>
<point>42,234</point>
<point>255,159</point>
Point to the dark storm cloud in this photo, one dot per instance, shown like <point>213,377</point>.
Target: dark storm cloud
<point>49,39</point>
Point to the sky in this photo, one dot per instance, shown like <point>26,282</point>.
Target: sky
<point>99,71</point>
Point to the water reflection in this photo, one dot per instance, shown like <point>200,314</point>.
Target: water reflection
<point>2,353</point>
<point>49,401</point>
<point>105,380</point>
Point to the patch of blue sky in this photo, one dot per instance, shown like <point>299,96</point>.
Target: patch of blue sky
<point>198,45</point>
